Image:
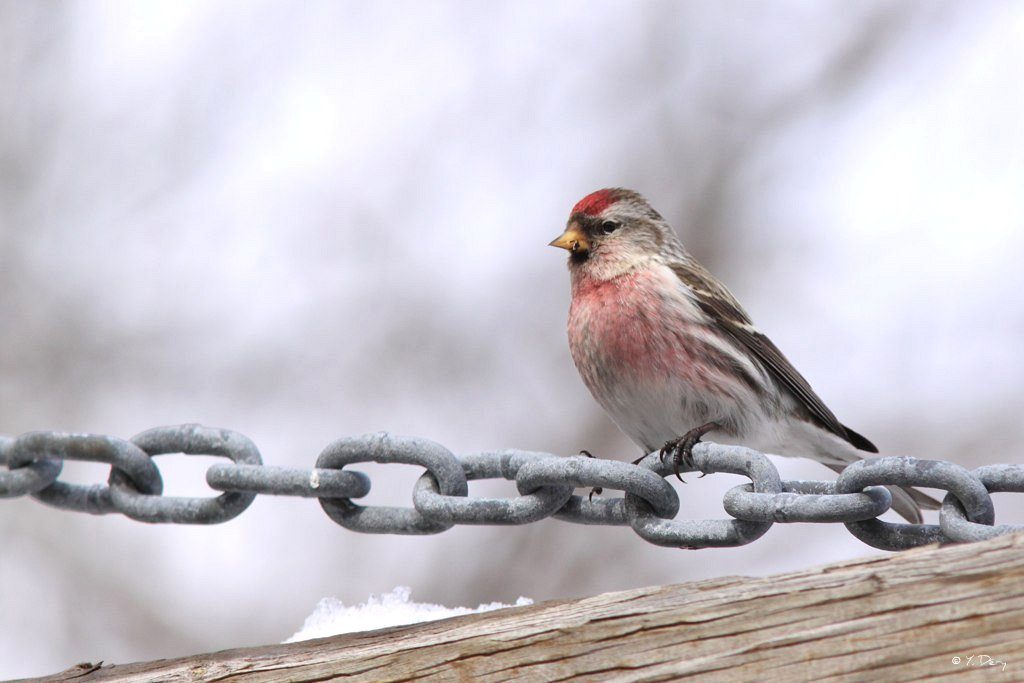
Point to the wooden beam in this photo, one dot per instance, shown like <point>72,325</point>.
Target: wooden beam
<point>953,612</point>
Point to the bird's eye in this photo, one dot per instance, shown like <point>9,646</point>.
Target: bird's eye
<point>608,227</point>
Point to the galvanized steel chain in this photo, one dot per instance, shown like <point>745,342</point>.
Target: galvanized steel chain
<point>31,465</point>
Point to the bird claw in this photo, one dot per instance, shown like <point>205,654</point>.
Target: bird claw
<point>681,452</point>
<point>681,449</point>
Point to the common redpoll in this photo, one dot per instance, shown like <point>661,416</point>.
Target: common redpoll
<point>671,355</point>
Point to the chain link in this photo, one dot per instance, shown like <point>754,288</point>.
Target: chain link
<point>806,501</point>
<point>31,464</point>
<point>661,529</point>
<point>385,448</point>
<point>960,483</point>
<point>953,519</point>
<point>130,466</point>
<point>29,478</point>
<point>146,506</point>
<point>534,502</point>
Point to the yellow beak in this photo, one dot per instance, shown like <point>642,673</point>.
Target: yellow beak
<point>572,239</point>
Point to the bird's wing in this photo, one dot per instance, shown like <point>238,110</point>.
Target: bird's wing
<point>721,306</point>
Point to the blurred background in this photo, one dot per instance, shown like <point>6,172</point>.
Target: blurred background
<point>309,220</point>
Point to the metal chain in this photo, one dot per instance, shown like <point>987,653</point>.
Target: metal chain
<point>31,464</point>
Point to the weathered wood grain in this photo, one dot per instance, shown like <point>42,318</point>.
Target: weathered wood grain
<point>902,617</point>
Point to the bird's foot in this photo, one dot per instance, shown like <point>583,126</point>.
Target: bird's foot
<point>597,490</point>
<point>681,449</point>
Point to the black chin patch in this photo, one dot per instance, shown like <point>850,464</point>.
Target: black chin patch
<point>579,256</point>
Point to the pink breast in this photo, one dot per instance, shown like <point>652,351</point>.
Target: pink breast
<point>634,328</point>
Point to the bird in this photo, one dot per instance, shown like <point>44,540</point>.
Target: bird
<point>671,356</point>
